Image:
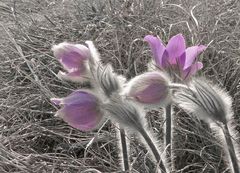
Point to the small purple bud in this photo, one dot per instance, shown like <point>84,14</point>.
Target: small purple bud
<point>80,110</point>
<point>149,88</point>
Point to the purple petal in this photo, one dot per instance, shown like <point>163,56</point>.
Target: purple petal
<point>150,88</point>
<point>80,98</point>
<point>83,50</point>
<point>157,48</point>
<point>192,53</point>
<point>82,116</point>
<point>181,60</point>
<point>71,56</point>
<point>56,101</point>
<point>73,76</point>
<point>175,48</point>
<point>195,67</point>
<point>190,71</point>
<point>153,93</point>
<point>81,110</point>
<point>165,60</point>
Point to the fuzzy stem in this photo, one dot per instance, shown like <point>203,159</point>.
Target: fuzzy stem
<point>124,149</point>
<point>176,86</point>
<point>168,128</point>
<point>154,149</point>
<point>231,149</point>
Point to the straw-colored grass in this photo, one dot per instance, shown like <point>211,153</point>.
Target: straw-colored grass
<point>33,140</point>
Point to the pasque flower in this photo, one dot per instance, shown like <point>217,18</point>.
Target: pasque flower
<point>81,110</point>
<point>84,111</point>
<point>214,105</point>
<point>149,88</point>
<point>74,58</point>
<point>175,55</point>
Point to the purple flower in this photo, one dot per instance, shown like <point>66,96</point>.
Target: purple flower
<point>175,55</point>
<point>80,110</point>
<point>149,88</point>
<point>73,57</point>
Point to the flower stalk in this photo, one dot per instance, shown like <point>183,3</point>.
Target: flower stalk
<point>230,148</point>
<point>168,129</point>
<point>110,84</point>
<point>127,113</point>
<point>213,105</point>
<point>123,141</point>
<point>154,149</point>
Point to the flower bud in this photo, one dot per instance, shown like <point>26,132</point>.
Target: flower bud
<point>207,101</point>
<point>80,110</point>
<point>73,57</point>
<point>149,88</point>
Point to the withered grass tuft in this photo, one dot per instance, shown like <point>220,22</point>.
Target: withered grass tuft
<point>32,140</point>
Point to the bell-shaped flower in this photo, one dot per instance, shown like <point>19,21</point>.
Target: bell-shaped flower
<point>175,55</point>
<point>80,110</point>
<point>74,59</point>
<point>149,88</point>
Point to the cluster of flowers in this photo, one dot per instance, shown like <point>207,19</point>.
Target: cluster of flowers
<point>171,82</point>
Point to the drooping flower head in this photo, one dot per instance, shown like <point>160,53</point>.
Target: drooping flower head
<point>80,110</point>
<point>175,56</point>
<point>149,88</point>
<point>73,57</point>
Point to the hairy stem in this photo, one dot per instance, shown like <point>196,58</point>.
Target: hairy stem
<point>168,129</point>
<point>154,149</point>
<point>231,149</point>
<point>124,149</point>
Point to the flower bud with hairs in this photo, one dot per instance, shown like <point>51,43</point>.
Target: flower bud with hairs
<point>208,102</point>
<point>214,105</point>
<point>81,110</point>
<point>73,58</point>
<point>149,88</point>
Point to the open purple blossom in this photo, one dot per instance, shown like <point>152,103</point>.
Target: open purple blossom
<point>73,57</point>
<point>149,88</point>
<point>80,110</point>
<point>175,55</point>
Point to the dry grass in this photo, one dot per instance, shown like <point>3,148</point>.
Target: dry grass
<point>32,140</point>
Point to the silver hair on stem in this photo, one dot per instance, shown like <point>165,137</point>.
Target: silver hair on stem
<point>207,101</point>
